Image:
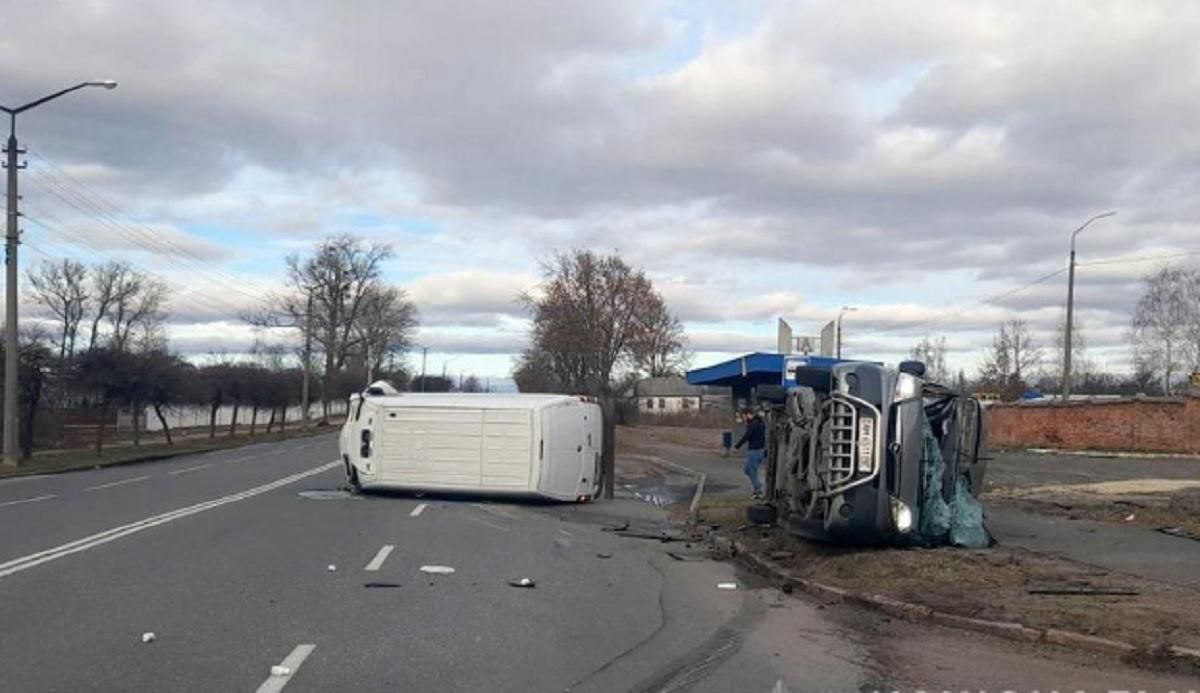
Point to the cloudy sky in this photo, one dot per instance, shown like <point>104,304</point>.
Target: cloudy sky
<point>924,162</point>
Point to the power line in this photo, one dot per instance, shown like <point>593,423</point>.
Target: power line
<point>214,303</point>
<point>1131,260</point>
<point>89,202</point>
<point>979,301</point>
<point>140,239</point>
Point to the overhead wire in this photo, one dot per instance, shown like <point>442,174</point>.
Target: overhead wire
<point>143,240</point>
<point>67,186</point>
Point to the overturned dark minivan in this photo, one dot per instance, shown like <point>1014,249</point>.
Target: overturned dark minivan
<point>859,453</point>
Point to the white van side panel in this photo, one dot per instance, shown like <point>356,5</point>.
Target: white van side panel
<point>454,447</point>
<point>507,448</point>
<point>438,446</point>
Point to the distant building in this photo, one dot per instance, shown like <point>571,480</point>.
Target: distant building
<point>673,395</point>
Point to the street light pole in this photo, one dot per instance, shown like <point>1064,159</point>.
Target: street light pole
<point>843,311</point>
<point>12,238</point>
<point>424,353</point>
<point>1066,382</point>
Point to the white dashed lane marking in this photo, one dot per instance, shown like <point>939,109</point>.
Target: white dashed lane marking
<point>122,482</point>
<point>377,562</point>
<point>287,668</point>
<point>28,500</point>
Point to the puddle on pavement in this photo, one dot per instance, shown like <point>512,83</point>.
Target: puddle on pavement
<point>327,494</point>
<point>659,489</point>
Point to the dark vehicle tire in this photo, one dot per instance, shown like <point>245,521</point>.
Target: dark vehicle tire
<point>352,477</point>
<point>760,514</point>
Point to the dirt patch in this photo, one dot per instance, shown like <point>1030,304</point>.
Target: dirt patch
<point>634,438</point>
<point>1179,509</point>
<point>990,584</point>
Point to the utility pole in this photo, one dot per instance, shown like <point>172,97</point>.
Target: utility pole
<point>1066,383</point>
<point>12,238</point>
<point>424,353</point>
<point>304,394</point>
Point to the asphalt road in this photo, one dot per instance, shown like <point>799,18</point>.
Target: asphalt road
<point>224,558</point>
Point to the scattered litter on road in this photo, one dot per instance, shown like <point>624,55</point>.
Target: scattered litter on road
<point>664,537</point>
<point>603,555</point>
<point>1130,517</point>
<point>147,637</point>
<point>437,569</point>
<point>332,568</point>
<point>381,585</point>
<point>1084,591</point>
<point>727,585</point>
<point>326,494</point>
<point>523,582</point>
<point>1178,532</point>
<point>280,670</point>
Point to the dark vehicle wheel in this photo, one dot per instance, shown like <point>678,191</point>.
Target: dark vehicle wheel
<point>760,514</point>
<point>352,477</point>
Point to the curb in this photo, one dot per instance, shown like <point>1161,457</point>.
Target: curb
<point>924,614</point>
<point>701,478</point>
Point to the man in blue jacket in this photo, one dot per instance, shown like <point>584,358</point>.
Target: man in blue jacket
<point>755,440</point>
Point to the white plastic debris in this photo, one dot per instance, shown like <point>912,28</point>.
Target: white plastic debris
<point>147,637</point>
<point>280,670</point>
<point>332,568</point>
<point>437,569</point>
<point>727,585</point>
<point>522,582</point>
<point>1130,517</point>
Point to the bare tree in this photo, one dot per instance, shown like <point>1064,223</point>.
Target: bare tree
<point>658,348</point>
<point>385,326</point>
<point>129,301</point>
<point>1081,365</point>
<point>339,275</point>
<point>1014,356</point>
<point>532,372</point>
<point>1160,324</point>
<point>142,310</point>
<point>60,287</point>
<point>471,384</point>
<point>932,352</point>
<point>589,319</point>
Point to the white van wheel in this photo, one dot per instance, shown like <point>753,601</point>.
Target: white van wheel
<point>352,477</point>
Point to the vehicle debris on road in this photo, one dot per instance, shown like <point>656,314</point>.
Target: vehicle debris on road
<point>148,637</point>
<point>527,583</point>
<point>280,670</point>
<point>332,568</point>
<point>437,569</point>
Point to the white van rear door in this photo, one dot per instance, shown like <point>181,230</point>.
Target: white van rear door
<point>564,436</point>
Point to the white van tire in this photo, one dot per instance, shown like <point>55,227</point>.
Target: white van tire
<point>352,476</point>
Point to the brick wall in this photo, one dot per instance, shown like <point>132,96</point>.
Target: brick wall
<point>1142,424</point>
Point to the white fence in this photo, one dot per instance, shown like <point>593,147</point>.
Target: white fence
<point>196,416</point>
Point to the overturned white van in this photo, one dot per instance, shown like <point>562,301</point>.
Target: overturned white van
<point>545,446</point>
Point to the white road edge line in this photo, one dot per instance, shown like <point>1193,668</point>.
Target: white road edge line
<point>189,469</point>
<point>17,565</point>
<point>122,482</point>
<point>28,500</point>
<point>418,510</point>
<point>274,684</point>
<point>377,562</point>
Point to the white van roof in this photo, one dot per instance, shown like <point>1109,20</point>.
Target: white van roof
<point>472,400</point>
